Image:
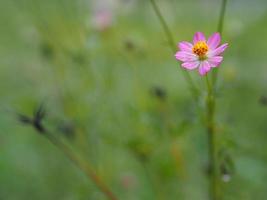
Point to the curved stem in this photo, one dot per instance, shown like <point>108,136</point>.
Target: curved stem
<point>221,18</point>
<point>220,30</point>
<point>172,45</point>
<point>81,164</point>
<point>164,25</point>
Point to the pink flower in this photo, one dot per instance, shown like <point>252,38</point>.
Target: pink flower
<point>202,54</point>
<point>102,20</point>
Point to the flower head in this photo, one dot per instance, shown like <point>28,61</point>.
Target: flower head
<point>202,54</point>
<point>102,20</point>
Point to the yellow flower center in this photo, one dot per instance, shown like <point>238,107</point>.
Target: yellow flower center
<point>200,49</point>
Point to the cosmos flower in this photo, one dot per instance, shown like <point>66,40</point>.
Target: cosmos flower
<point>202,54</point>
<point>102,20</point>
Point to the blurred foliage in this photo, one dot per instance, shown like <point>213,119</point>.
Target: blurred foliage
<point>115,93</point>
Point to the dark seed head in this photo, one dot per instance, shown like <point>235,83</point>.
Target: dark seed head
<point>159,93</point>
<point>263,100</point>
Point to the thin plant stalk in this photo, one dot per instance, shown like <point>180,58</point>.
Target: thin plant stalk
<point>82,165</point>
<point>214,184</point>
<point>220,30</point>
<point>172,45</point>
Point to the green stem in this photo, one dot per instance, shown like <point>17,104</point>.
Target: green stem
<point>81,164</point>
<point>154,186</point>
<point>172,45</point>
<point>213,165</point>
<point>210,106</point>
<point>220,30</point>
<point>221,18</point>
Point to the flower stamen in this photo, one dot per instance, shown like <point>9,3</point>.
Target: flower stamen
<point>200,49</point>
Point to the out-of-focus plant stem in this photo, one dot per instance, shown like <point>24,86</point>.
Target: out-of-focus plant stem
<point>211,126</point>
<point>82,165</point>
<point>220,30</point>
<point>214,184</point>
<point>172,45</point>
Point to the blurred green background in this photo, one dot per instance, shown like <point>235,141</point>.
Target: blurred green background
<point>114,92</point>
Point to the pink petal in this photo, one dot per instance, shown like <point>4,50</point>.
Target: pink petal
<point>199,36</point>
<point>214,40</point>
<point>185,56</point>
<point>218,50</point>
<point>185,46</point>
<point>190,65</point>
<point>215,61</point>
<point>204,68</point>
